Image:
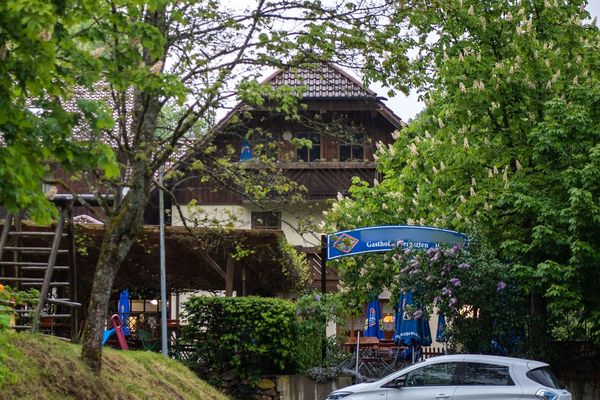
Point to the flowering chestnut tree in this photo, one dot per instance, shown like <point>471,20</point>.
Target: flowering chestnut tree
<point>508,143</point>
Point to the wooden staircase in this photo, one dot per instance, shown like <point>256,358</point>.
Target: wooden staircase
<point>44,260</point>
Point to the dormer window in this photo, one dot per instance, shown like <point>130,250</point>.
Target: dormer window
<point>352,148</point>
<point>311,152</point>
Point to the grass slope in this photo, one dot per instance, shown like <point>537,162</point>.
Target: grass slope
<point>45,368</point>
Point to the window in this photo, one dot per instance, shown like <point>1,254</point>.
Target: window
<point>487,374</point>
<point>545,376</point>
<point>352,149</point>
<point>266,220</point>
<point>311,152</point>
<point>432,375</point>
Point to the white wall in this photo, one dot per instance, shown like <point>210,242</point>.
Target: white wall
<point>240,218</point>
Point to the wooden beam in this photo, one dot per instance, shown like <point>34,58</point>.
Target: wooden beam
<point>213,263</point>
<point>230,276</point>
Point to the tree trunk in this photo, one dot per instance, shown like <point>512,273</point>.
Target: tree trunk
<point>121,230</point>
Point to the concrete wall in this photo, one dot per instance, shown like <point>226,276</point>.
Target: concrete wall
<point>301,387</point>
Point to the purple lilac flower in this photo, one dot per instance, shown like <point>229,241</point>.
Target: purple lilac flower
<point>318,297</point>
<point>457,248</point>
<point>414,263</point>
<point>437,299</point>
<point>434,254</point>
<point>449,253</point>
<point>446,291</point>
<point>452,301</point>
<point>464,266</point>
<point>417,314</point>
<point>501,285</point>
<point>455,281</point>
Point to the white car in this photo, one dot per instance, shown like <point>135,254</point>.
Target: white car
<point>462,377</point>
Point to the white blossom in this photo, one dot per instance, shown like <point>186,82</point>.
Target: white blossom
<point>442,165</point>
<point>435,170</point>
<point>396,135</point>
<point>441,192</point>
<point>519,166</point>
<point>463,199</point>
<point>413,149</point>
<point>375,182</point>
<point>472,191</point>
<point>410,221</point>
<point>466,143</point>
<point>495,170</point>
<point>490,173</point>
<point>471,11</point>
<point>384,206</point>
<point>473,181</point>
<point>340,196</point>
<point>462,87</point>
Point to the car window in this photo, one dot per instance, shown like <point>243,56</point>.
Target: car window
<point>432,375</point>
<point>486,374</point>
<point>544,376</point>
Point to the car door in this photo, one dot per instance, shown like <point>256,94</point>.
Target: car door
<point>430,382</point>
<point>486,381</point>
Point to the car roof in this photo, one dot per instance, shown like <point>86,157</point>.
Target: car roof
<point>482,358</point>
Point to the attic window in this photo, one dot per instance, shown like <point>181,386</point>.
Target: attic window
<point>312,152</point>
<point>352,148</point>
<point>266,220</point>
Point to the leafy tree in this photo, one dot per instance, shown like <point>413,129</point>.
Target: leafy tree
<point>40,64</point>
<point>166,67</point>
<point>508,142</point>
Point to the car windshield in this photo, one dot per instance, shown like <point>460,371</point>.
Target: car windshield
<point>545,376</point>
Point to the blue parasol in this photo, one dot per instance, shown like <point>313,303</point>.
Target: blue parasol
<point>124,311</point>
<point>374,323</point>
<point>412,325</point>
<point>440,334</point>
<point>246,152</point>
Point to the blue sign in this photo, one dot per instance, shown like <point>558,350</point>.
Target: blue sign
<point>385,238</point>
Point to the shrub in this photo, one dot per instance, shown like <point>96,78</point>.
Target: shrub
<point>249,335</point>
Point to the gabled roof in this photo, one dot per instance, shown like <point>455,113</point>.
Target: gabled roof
<point>328,82</point>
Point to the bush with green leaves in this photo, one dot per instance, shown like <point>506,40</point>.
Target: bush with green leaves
<point>314,312</point>
<point>249,335</point>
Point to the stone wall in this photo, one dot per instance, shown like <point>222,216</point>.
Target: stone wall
<point>283,387</point>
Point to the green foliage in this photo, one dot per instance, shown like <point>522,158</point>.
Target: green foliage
<point>10,298</point>
<point>36,52</point>
<point>315,311</point>
<point>508,142</point>
<point>249,335</point>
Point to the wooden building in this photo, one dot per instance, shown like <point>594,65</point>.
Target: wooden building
<point>332,140</point>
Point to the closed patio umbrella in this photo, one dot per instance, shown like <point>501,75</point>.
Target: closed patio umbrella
<point>440,333</point>
<point>412,325</point>
<point>124,311</point>
<point>374,323</point>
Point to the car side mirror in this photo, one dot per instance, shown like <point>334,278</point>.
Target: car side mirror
<point>400,381</point>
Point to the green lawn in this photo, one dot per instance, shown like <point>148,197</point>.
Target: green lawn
<point>41,367</point>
